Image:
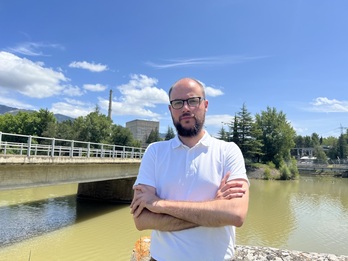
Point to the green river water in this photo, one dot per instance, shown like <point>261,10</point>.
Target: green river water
<point>47,223</point>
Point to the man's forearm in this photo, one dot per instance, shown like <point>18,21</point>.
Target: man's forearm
<point>213,213</point>
<point>162,222</point>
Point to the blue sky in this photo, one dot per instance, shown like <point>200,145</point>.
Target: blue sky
<point>66,56</point>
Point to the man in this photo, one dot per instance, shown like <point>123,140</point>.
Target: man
<point>191,190</point>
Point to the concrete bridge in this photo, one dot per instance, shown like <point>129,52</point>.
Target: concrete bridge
<point>103,172</point>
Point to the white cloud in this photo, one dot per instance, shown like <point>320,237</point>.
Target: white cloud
<point>75,102</point>
<point>120,108</point>
<point>32,48</point>
<point>212,60</point>
<point>93,67</point>
<point>15,103</point>
<point>141,90</point>
<point>94,87</point>
<point>218,120</point>
<point>72,91</point>
<point>72,108</point>
<point>323,104</point>
<point>29,78</point>
<point>137,96</point>
<point>210,91</point>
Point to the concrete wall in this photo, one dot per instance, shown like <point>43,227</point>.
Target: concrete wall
<point>14,176</point>
<point>118,191</point>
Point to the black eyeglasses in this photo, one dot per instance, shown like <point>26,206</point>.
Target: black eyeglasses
<point>191,102</point>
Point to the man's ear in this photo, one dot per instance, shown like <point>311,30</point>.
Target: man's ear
<point>206,105</point>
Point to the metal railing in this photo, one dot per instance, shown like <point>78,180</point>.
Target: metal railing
<point>27,145</point>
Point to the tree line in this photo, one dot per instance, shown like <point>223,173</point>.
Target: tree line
<point>95,127</point>
<point>267,137</point>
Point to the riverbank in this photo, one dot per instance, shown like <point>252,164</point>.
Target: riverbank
<point>247,253</point>
<point>257,171</point>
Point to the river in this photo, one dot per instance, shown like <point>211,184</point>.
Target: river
<point>47,223</point>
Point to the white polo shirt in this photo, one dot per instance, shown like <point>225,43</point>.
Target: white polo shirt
<point>191,174</point>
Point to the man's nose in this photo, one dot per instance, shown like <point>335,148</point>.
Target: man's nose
<point>186,105</point>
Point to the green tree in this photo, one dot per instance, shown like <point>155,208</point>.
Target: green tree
<point>315,140</point>
<point>342,146</point>
<point>123,136</point>
<point>44,120</point>
<point>170,133</point>
<point>246,134</point>
<point>277,136</point>
<point>244,126</point>
<point>234,136</point>
<point>7,123</point>
<point>153,136</point>
<point>223,134</point>
<point>320,154</point>
<point>299,141</point>
<point>66,130</point>
<point>95,127</point>
<point>22,123</point>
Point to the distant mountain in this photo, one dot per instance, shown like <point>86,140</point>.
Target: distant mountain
<point>6,109</point>
<point>61,117</point>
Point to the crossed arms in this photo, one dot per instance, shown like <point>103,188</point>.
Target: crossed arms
<point>229,207</point>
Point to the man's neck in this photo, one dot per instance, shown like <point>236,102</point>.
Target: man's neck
<point>192,141</point>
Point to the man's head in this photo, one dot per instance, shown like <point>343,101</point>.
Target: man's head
<point>188,106</point>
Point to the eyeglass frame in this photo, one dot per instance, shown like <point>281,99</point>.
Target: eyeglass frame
<point>200,99</point>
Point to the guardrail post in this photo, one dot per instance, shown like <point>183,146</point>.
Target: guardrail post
<point>53,147</point>
<point>88,149</point>
<point>102,151</point>
<point>72,149</point>
<point>113,151</point>
<point>124,152</point>
<point>29,146</point>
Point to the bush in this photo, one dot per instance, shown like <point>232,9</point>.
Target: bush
<point>285,172</point>
<point>293,169</point>
<point>271,165</point>
<point>267,174</point>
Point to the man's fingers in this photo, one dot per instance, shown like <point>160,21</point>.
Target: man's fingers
<point>233,193</point>
<point>226,177</point>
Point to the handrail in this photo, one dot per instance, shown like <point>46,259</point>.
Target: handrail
<point>30,145</point>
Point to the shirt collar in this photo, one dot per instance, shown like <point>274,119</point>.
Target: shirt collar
<point>205,141</point>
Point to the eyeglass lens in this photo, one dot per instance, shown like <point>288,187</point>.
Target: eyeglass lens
<point>192,102</point>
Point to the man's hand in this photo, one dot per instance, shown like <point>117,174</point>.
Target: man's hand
<point>230,189</point>
<point>144,197</point>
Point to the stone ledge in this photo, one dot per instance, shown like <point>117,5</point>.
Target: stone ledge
<point>141,252</point>
<point>246,253</point>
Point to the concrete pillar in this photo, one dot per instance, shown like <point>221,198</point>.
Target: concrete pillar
<point>116,190</point>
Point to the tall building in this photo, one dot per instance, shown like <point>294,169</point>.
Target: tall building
<point>141,129</point>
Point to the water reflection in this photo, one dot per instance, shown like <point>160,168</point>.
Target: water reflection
<point>23,221</point>
<point>309,214</point>
<point>26,220</point>
<point>270,217</point>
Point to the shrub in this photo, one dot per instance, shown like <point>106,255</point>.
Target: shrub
<point>293,169</point>
<point>267,174</point>
<point>285,172</point>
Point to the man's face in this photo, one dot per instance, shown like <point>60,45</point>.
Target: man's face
<point>188,120</point>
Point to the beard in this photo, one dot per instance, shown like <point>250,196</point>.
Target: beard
<point>189,132</point>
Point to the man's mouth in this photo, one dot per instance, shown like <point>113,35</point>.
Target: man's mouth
<point>186,116</point>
